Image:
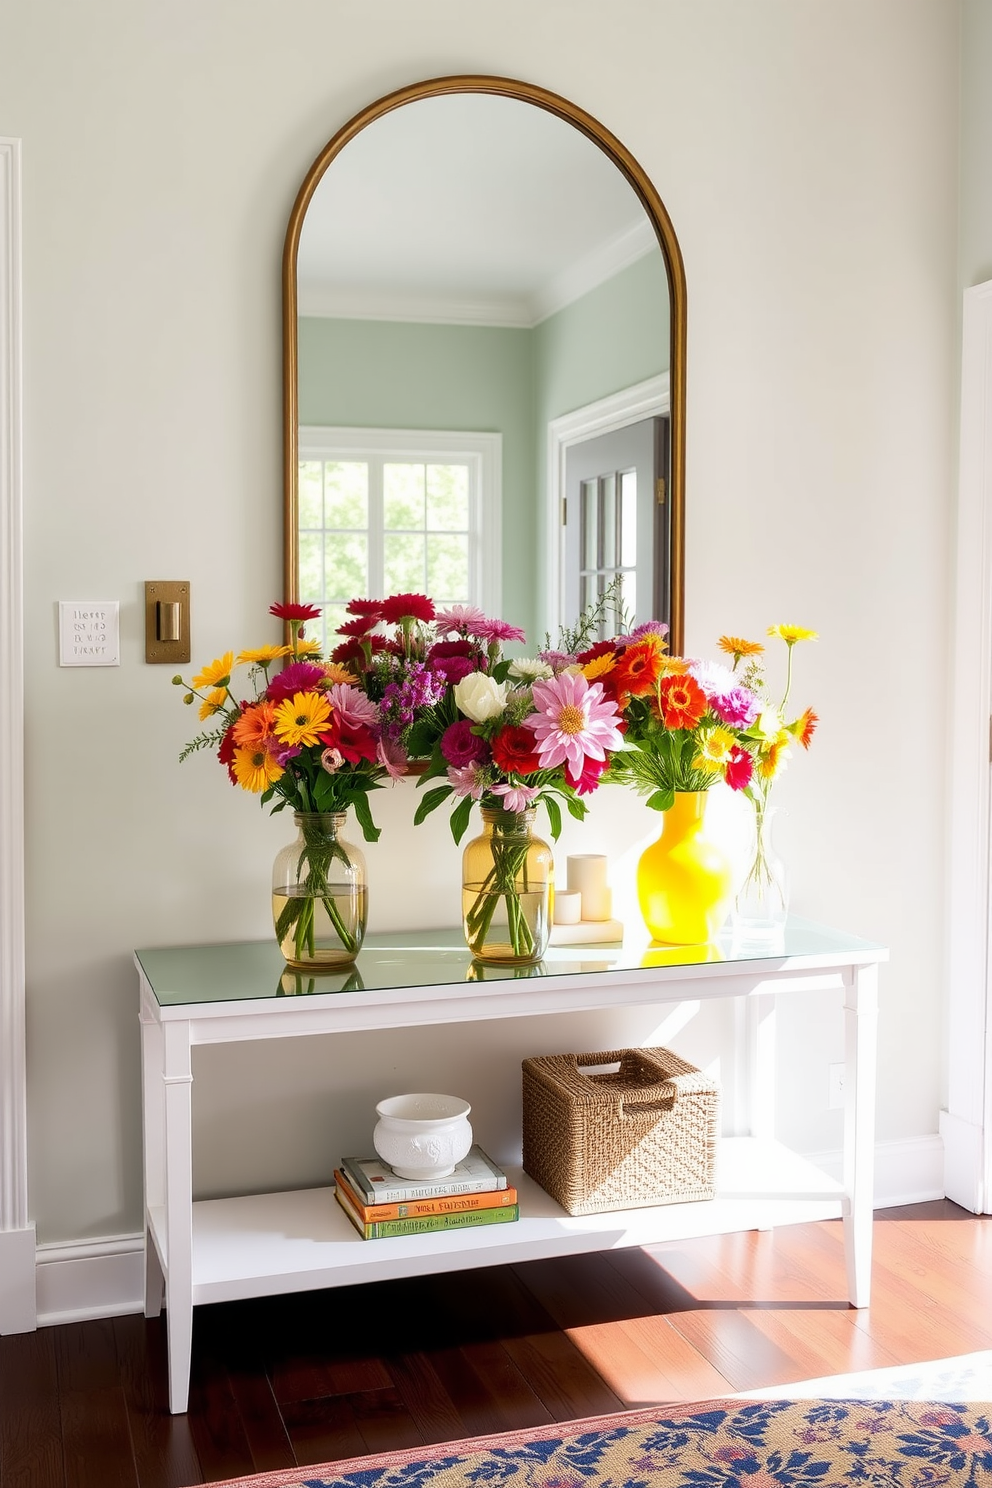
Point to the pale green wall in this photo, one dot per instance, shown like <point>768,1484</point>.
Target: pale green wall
<point>391,375</point>
<point>388,374</point>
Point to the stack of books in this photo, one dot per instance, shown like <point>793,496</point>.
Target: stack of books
<point>379,1203</point>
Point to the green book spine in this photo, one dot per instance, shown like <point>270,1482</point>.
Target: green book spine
<point>381,1229</point>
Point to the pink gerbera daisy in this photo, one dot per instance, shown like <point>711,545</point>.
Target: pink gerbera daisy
<point>574,722</point>
<point>497,630</point>
<point>352,706</point>
<point>461,617</point>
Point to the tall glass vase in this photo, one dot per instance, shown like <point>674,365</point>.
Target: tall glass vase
<point>507,876</point>
<point>319,894</point>
<point>761,904</point>
<point>684,880</point>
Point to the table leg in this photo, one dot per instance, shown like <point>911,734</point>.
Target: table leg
<point>860,1033</point>
<point>178,1081</point>
<point>761,1065</point>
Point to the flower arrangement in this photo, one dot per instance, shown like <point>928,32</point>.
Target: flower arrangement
<point>306,736</point>
<point>508,735</point>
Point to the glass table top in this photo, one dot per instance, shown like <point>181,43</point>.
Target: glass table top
<point>391,960</point>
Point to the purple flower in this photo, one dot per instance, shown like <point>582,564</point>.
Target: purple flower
<point>420,688</point>
<point>650,627</point>
<point>556,660</point>
<point>738,707</point>
<point>460,746</point>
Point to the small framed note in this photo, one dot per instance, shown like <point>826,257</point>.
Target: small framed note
<point>89,632</point>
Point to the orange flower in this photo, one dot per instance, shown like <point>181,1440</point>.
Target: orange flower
<point>255,725</point>
<point>805,727</point>
<point>673,666</point>
<point>335,672</point>
<point>638,667</point>
<point>736,647</point>
<point>599,666</point>
<point>682,700</point>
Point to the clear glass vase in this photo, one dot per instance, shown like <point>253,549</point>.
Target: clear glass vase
<point>761,904</point>
<point>319,894</point>
<point>507,877</point>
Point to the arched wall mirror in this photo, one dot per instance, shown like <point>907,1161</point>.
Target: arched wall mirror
<point>484,363</point>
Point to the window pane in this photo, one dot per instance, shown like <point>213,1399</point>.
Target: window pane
<point>311,494</point>
<point>447,569</point>
<point>608,487</point>
<point>403,497</point>
<point>346,491</point>
<point>403,564</point>
<point>311,567</point>
<point>589,556</point>
<point>628,518</point>
<point>334,615</point>
<point>346,565</point>
<point>629,592</point>
<point>447,498</point>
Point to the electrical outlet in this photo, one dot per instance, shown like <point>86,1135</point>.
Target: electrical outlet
<point>835,1087</point>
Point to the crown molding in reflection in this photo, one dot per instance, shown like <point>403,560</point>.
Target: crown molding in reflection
<point>523,312</point>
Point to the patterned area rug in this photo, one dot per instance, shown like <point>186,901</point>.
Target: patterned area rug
<point>718,1444</point>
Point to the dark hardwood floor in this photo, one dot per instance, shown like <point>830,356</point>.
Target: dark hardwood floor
<point>280,1382</point>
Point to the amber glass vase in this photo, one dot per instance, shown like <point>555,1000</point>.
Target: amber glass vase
<point>319,894</point>
<point>684,880</point>
<point>507,878</point>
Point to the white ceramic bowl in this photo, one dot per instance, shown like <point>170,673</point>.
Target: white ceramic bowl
<point>422,1136</point>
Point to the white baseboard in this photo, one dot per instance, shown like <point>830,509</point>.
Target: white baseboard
<point>90,1279</point>
<point>105,1278</point>
<point>909,1171</point>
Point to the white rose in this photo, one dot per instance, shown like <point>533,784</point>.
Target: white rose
<point>479,697</point>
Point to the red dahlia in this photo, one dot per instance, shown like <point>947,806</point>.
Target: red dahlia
<point>513,751</point>
<point>400,607</point>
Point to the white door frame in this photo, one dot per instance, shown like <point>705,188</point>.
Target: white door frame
<point>966,1124</point>
<point>643,400</point>
<point>18,1308</point>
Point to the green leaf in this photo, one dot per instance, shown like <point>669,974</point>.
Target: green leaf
<point>662,800</point>
<point>554,816</point>
<point>431,802</point>
<point>363,814</point>
<point>460,818</point>
<point>576,808</point>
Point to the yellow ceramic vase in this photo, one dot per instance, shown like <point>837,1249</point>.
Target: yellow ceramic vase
<point>684,880</point>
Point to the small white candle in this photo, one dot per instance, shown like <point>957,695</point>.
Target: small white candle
<point>568,908</point>
<point>587,876</point>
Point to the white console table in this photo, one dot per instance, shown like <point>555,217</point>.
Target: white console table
<point>221,1249</point>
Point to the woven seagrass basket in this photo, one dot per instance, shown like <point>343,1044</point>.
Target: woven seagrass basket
<point>642,1133</point>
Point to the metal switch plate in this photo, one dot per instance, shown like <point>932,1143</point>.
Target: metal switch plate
<point>167,620</point>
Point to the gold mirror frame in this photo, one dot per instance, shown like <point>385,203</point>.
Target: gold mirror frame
<point>674,269</point>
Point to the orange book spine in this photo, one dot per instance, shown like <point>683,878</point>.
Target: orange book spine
<point>500,1198</point>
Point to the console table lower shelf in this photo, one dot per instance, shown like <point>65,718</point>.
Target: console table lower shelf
<point>265,1244</point>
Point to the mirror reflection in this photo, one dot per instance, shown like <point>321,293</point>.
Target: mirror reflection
<point>482,371</point>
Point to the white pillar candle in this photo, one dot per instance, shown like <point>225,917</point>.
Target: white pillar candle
<point>587,876</point>
<point>568,908</point>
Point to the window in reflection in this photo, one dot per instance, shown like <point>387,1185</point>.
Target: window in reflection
<point>377,520</point>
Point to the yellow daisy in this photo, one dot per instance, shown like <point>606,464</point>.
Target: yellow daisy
<point>714,751</point>
<point>255,769</point>
<point>262,655</point>
<point>213,703</point>
<point>790,634</point>
<point>217,674</point>
<point>308,648</point>
<point>299,719</point>
<point>772,759</point>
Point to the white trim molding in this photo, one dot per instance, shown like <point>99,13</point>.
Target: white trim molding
<point>967,1122</point>
<point>18,1312</point>
<point>643,400</point>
